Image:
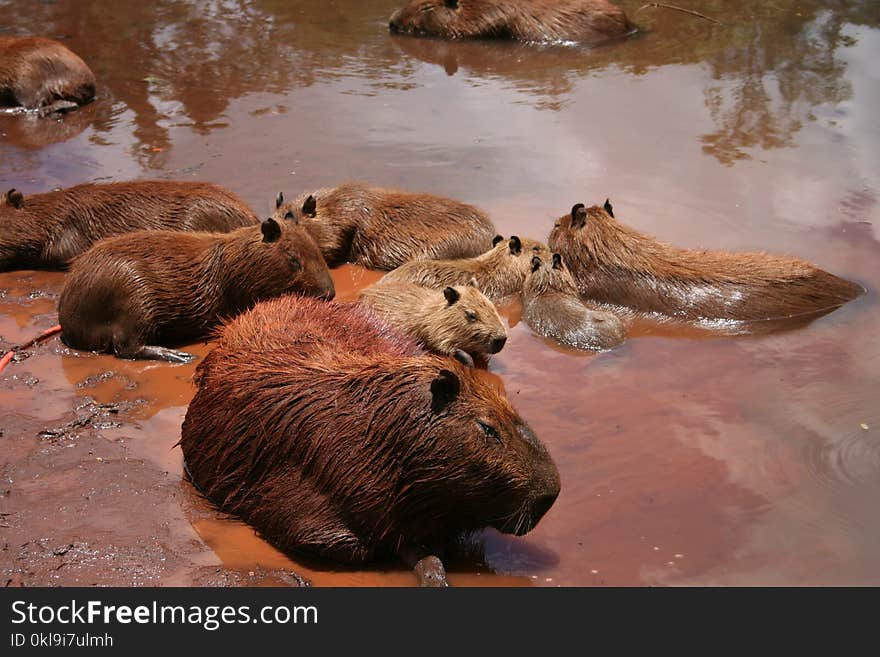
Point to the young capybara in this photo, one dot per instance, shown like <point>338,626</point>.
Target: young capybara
<point>135,294</point>
<point>348,445</point>
<point>499,272</point>
<point>538,21</point>
<point>46,231</point>
<point>381,228</point>
<point>615,264</point>
<point>42,74</point>
<point>553,308</point>
<point>444,322</point>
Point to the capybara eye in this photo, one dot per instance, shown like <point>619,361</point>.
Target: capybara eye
<point>489,431</point>
<point>289,215</point>
<point>295,263</point>
<point>471,315</point>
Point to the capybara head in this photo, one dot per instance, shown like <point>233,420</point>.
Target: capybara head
<point>469,321</point>
<point>550,276</point>
<point>293,211</point>
<point>588,235</point>
<point>13,198</point>
<point>296,257</point>
<point>428,18</point>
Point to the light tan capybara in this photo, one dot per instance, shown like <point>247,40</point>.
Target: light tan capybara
<point>381,228</point>
<point>499,272</point>
<point>134,295</point>
<point>537,21</point>
<point>46,231</point>
<point>552,307</point>
<point>348,445</point>
<point>615,264</point>
<point>41,74</point>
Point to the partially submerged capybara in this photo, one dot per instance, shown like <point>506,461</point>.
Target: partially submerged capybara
<point>46,231</point>
<point>444,322</point>
<point>42,74</point>
<point>348,445</point>
<point>553,308</point>
<point>499,272</point>
<point>381,228</point>
<point>615,264</point>
<point>135,294</point>
<point>554,21</point>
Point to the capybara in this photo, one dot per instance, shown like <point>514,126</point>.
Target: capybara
<point>42,74</point>
<point>499,272</point>
<point>135,294</point>
<point>46,231</point>
<point>444,322</point>
<point>553,308</point>
<point>381,228</point>
<point>538,21</point>
<point>615,264</point>
<point>351,446</point>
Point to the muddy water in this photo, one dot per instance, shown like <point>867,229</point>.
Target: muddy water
<point>685,458</point>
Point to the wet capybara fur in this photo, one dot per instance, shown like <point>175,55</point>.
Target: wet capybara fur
<point>443,322</point>
<point>355,447</point>
<point>615,264</point>
<point>381,228</point>
<point>538,21</point>
<point>136,294</point>
<point>552,307</point>
<point>46,231</point>
<point>499,272</point>
<point>42,74</point>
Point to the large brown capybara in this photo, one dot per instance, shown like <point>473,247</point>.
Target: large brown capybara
<point>135,294</point>
<point>499,272</point>
<point>618,265</point>
<point>552,307</point>
<point>46,231</point>
<point>381,228</point>
<point>350,445</point>
<point>535,21</point>
<point>42,74</point>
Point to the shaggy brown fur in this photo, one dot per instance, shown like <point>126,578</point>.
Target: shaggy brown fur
<point>382,228</point>
<point>615,264</point>
<point>499,272</point>
<point>342,449</point>
<point>553,308</point>
<point>582,21</point>
<point>129,294</point>
<point>38,73</point>
<point>46,231</point>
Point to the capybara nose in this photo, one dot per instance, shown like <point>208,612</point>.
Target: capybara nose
<point>498,344</point>
<point>541,506</point>
<point>394,22</point>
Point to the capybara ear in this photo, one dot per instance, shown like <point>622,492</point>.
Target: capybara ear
<point>444,390</point>
<point>536,263</point>
<point>515,245</point>
<point>271,230</point>
<point>608,207</point>
<point>496,239</point>
<point>557,261</point>
<point>451,295</point>
<point>452,4</point>
<point>279,200</point>
<point>15,198</point>
<point>310,206</point>
<point>578,215</point>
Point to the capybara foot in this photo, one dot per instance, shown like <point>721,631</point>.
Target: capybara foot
<point>463,357</point>
<point>431,572</point>
<point>151,352</point>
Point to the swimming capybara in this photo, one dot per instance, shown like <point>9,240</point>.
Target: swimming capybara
<point>348,445</point>
<point>135,294</point>
<point>553,308</point>
<point>499,272</point>
<point>444,322</point>
<point>615,264</point>
<point>42,74</point>
<point>538,21</point>
<point>46,231</point>
<point>381,228</point>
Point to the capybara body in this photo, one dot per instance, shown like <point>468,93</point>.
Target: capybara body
<point>134,295</point>
<point>553,308</point>
<point>615,264</point>
<point>499,272</point>
<point>539,21</point>
<point>380,228</point>
<point>46,231</point>
<point>357,447</point>
<point>459,317</point>
<point>40,73</point>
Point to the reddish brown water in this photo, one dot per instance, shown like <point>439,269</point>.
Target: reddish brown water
<point>685,458</point>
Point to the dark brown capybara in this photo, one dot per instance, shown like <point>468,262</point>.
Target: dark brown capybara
<point>380,228</point>
<point>345,444</point>
<point>46,231</point>
<point>553,308</point>
<point>135,294</point>
<point>537,21</point>
<point>618,265</point>
<point>42,74</point>
<point>499,272</point>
